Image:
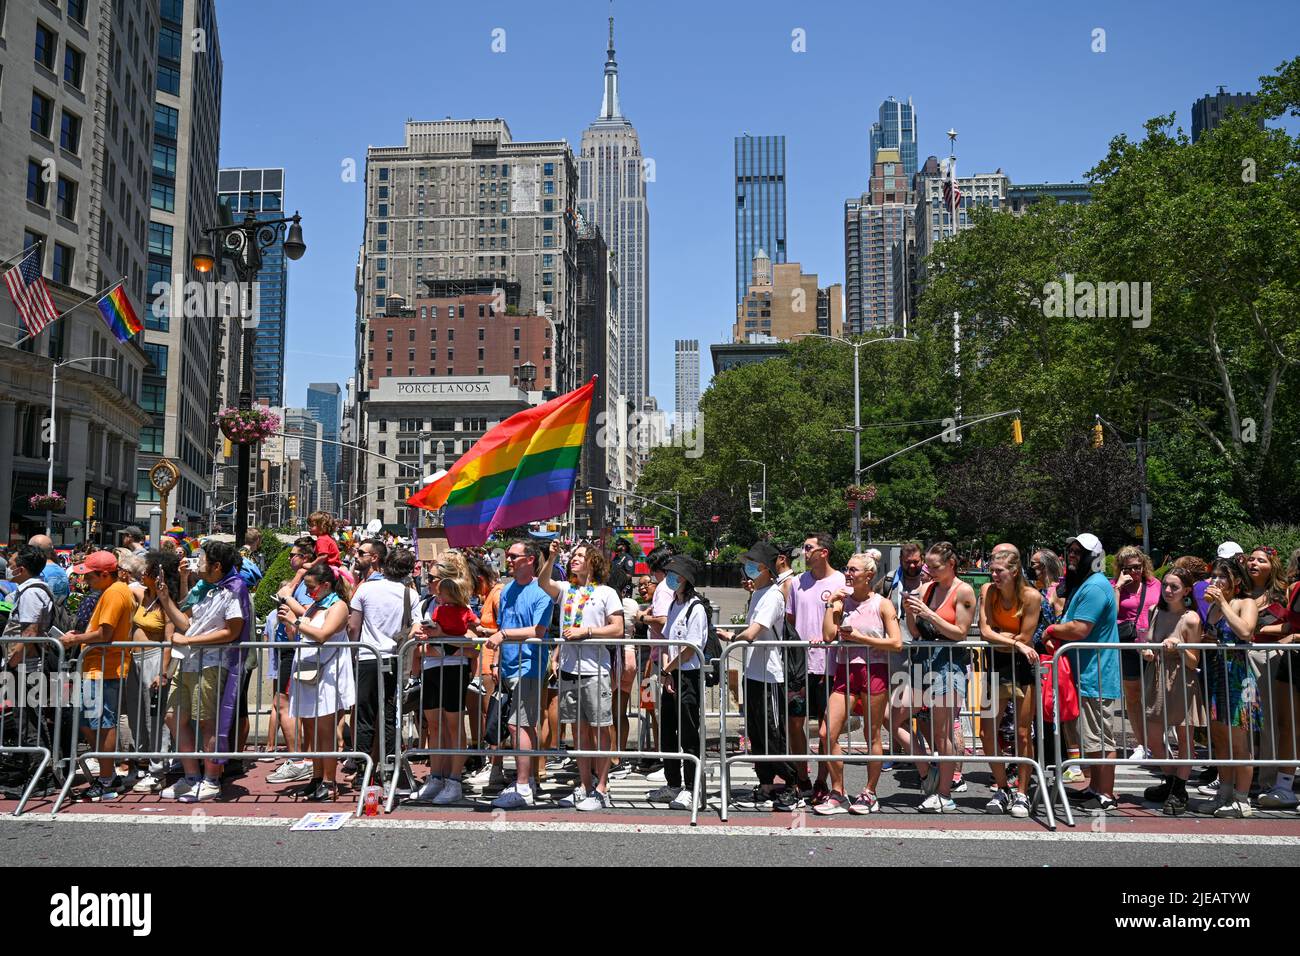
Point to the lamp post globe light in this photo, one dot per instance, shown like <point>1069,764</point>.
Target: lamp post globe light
<point>241,244</point>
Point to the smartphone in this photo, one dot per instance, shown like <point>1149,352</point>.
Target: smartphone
<point>193,564</point>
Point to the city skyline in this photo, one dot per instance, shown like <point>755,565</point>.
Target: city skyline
<point>1151,65</point>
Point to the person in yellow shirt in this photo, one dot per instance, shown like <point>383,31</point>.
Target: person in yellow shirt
<point>103,669</point>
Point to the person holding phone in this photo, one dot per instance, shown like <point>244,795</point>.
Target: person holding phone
<point>1268,588</point>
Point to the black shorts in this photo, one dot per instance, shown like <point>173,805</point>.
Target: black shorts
<point>283,670</point>
<point>444,687</point>
<point>1130,665</point>
<point>818,695</point>
<point>1012,668</point>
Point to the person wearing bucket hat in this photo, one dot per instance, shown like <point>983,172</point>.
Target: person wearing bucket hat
<point>688,620</point>
<point>765,696</point>
<point>1091,616</point>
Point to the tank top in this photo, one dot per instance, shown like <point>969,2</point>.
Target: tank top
<point>1002,619</point>
<point>865,619</point>
<point>152,622</point>
<point>947,610</point>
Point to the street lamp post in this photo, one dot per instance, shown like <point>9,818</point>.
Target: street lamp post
<point>763,465</point>
<point>242,244</point>
<point>54,428</point>
<point>857,412</point>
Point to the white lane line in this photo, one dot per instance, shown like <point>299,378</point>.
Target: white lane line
<point>200,820</point>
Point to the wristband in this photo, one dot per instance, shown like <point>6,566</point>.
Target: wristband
<point>1049,632</point>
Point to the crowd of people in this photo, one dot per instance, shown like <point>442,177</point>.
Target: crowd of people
<point>903,656</point>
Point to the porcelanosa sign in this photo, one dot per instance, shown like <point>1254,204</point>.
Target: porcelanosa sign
<point>496,386</point>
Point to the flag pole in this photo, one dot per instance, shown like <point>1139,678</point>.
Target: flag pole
<point>94,295</point>
<point>35,245</point>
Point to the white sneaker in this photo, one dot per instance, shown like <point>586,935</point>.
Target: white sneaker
<point>595,801</point>
<point>657,777</point>
<point>1072,775</point>
<point>514,798</point>
<point>92,765</point>
<point>1140,753</point>
<point>1210,789</point>
<point>147,784</point>
<point>451,792</point>
<point>492,777</point>
<point>291,771</point>
<point>935,803</point>
<point>1279,798</point>
<point>432,787</point>
<point>1236,809</point>
<point>179,790</point>
<point>202,791</point>
<point>685,800</point>
<point>1020,806</point>
<point>578,795</point>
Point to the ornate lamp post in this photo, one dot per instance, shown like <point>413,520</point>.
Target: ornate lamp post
<point>241,244</point>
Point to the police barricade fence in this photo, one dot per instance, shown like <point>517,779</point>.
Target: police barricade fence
<point>923,685</point>
<point>191,703</point>
<point>523,716</point>
<point>34,695</point>
<point>1180,694</point>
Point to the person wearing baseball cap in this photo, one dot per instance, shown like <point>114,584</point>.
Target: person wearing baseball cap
<point>1229,550</point>
<point>103,670</point>
<point>1091,615</point>
<point>765,696</point>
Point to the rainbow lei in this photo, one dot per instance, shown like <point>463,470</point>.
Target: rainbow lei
<point>574,602</point>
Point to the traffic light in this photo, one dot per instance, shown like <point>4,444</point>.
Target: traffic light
<point>90,507</point>
<point>1017,435</point>
<point>293,502</point>
<point>590,498</point>
<point>1098,436</point>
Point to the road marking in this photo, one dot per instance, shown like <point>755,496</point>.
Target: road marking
<point>525,826</point>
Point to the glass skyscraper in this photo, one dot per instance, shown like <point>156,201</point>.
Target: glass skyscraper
<point>896,129</point>
<point>262,190</point>
<point>325,404</point>
<point>760,203</point>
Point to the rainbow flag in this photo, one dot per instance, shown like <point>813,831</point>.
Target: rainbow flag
<point>116,309</point>
<point>522,470</point>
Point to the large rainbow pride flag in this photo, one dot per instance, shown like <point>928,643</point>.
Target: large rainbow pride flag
<point>520,471</point>
<point>116,309</point>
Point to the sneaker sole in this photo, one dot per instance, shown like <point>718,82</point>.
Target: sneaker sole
<point>864,811</point>
<point>830,812</point>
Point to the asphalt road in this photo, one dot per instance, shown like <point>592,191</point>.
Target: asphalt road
<point>67,843</point>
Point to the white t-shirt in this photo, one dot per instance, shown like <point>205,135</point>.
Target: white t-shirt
<point>381,605</point>
<point>693,627</point>
<point>32,604</point>
<point>766,608</point>
<point>217,607</point>
<point>583,607</point>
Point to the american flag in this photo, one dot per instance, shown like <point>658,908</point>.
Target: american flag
<point>29,292</point>
<point>951,192</point>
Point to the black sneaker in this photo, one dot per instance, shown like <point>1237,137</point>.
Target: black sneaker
<point>1159,793</point>
<point>1099,803</point>
<point>788,799</point>
<point>1175,804</point>
<point>100,791</point>
<point>1080,796</point>
<point>1208,775</point>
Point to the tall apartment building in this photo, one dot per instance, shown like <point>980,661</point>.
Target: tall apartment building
<point>686,353</point>
<point>76,130</point>
<point>896,129</point>
<point>935,222</point>
<point>783,302</point>
<point>1211,109</point>
<point>262,192</point>
<point>760,203</point>
<point>460,200</point>
<point>181,391</point>
<point>599,354</point>
<point>612,196</point>
<point>873,224</point>
<point>324,403</point>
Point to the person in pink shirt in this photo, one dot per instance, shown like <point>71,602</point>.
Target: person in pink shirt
<point>808,595</point>
<point>1137,591</point>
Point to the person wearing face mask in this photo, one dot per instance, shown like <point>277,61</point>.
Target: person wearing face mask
<point>202,703</point>
<point>766,704</point>
<point>682,682</point>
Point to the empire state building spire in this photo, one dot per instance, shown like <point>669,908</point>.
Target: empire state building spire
<point>609,103</point>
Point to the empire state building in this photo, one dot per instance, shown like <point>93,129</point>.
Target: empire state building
<point>612,195</point>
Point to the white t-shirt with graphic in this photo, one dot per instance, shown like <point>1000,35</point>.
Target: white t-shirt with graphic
<point>586,606</point>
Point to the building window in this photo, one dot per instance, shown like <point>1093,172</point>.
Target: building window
<point>480,331</point>
<point>516,333</point>
<point>42,114</point>
<point>383,175</point>
<point>164,159</point>
<point>166,121</point>
<point>47,43</point>
<point>169,80</point>
<point>62,264</point>
<point>37,187</point>
<point>169,44</point>
<point>163,197</point>
<point>70,133</point>
<point>74,63</point>
<point>548,169</point>
<point>67,201</point>
<point>480,357</point>
<point>160,239</point>
<point>144,489</point>
<point>77,11</point>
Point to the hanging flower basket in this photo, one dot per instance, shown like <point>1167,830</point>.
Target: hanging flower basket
<point>247,426</point>
<point>855,493</point>
<point>51,502</point>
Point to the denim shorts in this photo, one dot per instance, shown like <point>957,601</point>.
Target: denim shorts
<point>99,703</point>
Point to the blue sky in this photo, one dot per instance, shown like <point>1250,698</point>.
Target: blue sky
<point>310,84</point>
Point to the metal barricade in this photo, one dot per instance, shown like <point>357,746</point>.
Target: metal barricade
<point>532,700</point>
<point>769,740</point>
<point>32,700</point>
<point>211,687</point>
<point>1197,692</point>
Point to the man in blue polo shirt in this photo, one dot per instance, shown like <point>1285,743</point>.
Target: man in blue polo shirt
<point>1090,616</point>
<point>524,613</point>
<point>54,575</point>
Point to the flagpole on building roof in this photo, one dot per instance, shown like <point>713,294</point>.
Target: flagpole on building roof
<point>94,295</point>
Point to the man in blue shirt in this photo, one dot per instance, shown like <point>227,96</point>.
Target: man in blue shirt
<point>523,614</point>
<point>53,575</point>
<point>1090,616</point>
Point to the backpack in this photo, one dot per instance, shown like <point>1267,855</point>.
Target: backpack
<point>60,616</point>
<point>712,645</point>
